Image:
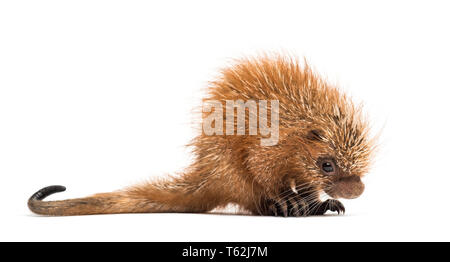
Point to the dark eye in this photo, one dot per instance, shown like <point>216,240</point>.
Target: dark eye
<point>327,167</point>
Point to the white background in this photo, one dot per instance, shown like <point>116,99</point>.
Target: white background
<point>98,95</point>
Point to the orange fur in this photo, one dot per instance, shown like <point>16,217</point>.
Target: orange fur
<point>316,120</point>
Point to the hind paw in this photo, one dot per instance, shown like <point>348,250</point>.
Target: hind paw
<point>291,207</point>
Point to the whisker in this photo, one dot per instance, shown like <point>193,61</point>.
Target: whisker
<point>287,197</point>
<point>298,188</point>
<point>310,204</point>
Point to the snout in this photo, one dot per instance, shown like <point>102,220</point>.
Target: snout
<point>346,187</point>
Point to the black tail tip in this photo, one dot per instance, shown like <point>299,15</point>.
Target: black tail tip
<point>46,191</point>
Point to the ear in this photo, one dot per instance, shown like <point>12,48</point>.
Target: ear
<point>315,135</point>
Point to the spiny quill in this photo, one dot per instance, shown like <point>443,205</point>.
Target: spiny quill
<point>323,147</point>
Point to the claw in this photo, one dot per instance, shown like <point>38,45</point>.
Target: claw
<point>294,206</point>
<point>294,211</point>
<point>304,209</point>
<point>293,186</point>
<point>284,209</point>
<point>335,205</point>
<point>273,209</point>
<point>342,208</point>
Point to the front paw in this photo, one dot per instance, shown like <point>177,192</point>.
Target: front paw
<point>333,205</point>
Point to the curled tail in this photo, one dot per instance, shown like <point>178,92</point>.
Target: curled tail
<point>104,203</point>
<point>145,198</point>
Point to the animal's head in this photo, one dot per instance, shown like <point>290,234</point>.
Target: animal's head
<point>341,157</point>
<point>336,148</point>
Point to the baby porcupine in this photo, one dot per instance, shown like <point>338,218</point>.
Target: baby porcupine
<point>323,145</point>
